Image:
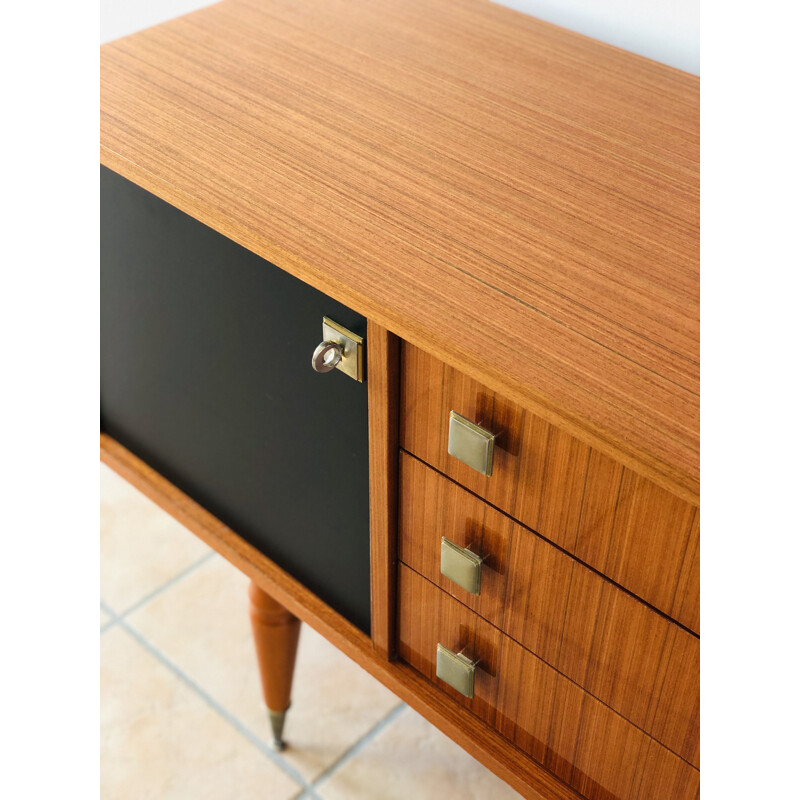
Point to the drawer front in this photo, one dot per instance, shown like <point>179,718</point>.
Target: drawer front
<point>206,375</point>
<point>621,524</point>
<point>581,740</point>
<point>617,648</point>
<point>432,507</point>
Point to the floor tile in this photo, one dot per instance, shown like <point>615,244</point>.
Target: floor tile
<point>410,758</point>
<point>202,625</point>
<point>160,739</point>
<point>141,547</point>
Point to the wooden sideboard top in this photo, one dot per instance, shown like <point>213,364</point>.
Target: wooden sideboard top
<point>516,199</point>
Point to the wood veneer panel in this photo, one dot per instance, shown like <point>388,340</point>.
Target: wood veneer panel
<point>383,366</point>
<point>679,692</point>
<point>426,619</point>
<point>625,526</point>
<point>648,548</point>
<point>516,198</point>
<point>579,739</point>
<point>276,633</point>
<point>475,736</point>
<point>621,651</point>
<point>430,509</point>
<point>686,605</point>
<point>634,660</point>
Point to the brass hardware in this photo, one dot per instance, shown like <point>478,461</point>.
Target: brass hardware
<point>456,670</point>
<point>276,721</point>
<point>471,444</point>
<point>462,566</point>
<point>340,349</point>
<point>326,356</point>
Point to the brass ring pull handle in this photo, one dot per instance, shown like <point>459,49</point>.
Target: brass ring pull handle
<point>340,349</point>
<point>327,356</point>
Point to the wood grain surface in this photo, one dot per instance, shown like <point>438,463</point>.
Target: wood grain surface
<point>431,507</point>
<point>383,384</point>
<point>622,652</point>
<point>583,741</point>
<point>276,633</point>
<point>623,525</point>
<point>512,197</point>
<point>479,739</point>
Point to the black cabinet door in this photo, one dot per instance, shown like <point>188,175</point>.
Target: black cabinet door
<point>206,375</point>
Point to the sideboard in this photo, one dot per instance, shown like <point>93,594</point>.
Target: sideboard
<point>400,314</point>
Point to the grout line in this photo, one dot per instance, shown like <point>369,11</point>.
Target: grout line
<point>356,748</point>
<point>171,582</point>
<point>306,789</point>
<point>114,617</point>
<point>262,746</point>
<point>306,794</point>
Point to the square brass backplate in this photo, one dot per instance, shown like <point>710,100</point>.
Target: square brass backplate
<point>461,566</point>
<point>456,670</point>
<point>352,362</point>
<point>470,443</point>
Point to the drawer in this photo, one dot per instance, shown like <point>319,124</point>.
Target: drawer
<point>617,648</point>
<point>581,740</point>
<point>618,522</point>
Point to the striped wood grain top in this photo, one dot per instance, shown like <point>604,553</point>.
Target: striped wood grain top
<point>516,199</point>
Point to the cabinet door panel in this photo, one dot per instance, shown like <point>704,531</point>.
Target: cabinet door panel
<point>206,375</point>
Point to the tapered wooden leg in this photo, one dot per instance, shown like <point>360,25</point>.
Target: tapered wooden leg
<point>275,632</point>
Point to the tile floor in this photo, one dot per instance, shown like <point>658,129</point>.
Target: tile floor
<point>181,708</point>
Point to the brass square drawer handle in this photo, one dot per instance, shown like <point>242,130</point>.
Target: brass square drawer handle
<point>456,670</point>
<point>470,444</point>
<point>461,566</point>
